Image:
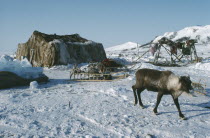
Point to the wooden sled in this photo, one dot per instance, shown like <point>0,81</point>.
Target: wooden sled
<point>98,77</point>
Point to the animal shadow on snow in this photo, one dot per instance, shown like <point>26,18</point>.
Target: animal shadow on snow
<point>204,111</point>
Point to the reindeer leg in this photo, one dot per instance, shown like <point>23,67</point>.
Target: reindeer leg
<point>139,96</point>
<point>159,96</point>
<point>176,101</point>
<point>135,96</point>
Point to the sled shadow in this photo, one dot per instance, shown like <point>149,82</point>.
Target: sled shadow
<point>43,85</point>
<point>54,82</point>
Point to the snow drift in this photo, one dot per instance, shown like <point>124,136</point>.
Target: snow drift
<point>22,68</point>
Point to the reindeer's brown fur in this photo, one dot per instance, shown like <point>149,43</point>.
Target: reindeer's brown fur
<point>163,82</point>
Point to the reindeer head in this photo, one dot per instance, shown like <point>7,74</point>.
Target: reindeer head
<point>186,84</point>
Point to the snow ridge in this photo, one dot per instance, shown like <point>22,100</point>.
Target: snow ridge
<point>200,33</point>
<point>127,45</point>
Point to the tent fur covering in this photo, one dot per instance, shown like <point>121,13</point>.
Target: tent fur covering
<point>44,50</point>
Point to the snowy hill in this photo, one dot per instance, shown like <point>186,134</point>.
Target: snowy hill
<point>124,52</point>
<point>125,46</point>
<point>200,33</point>
<point>131,52</point>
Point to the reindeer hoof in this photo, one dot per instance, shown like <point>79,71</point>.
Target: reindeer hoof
<point>142,107</point>
<point>183,118</point>
<point>156,113</point>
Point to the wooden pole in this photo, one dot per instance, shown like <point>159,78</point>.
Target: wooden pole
<point>172,54</point>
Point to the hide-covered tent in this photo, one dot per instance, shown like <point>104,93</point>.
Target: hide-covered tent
<point>47,50</point>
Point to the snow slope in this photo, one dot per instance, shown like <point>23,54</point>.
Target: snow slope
<point>131,52</point>
<point>128,52</point>
<point>200,33</point>
<point>22,68</point>
<point>125,46</point>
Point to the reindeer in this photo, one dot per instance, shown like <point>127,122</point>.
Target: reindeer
<point>163,82</point>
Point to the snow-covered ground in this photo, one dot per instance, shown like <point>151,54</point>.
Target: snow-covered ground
<point>64,108</point>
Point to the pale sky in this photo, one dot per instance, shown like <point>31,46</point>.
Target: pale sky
<point>110,22</point>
